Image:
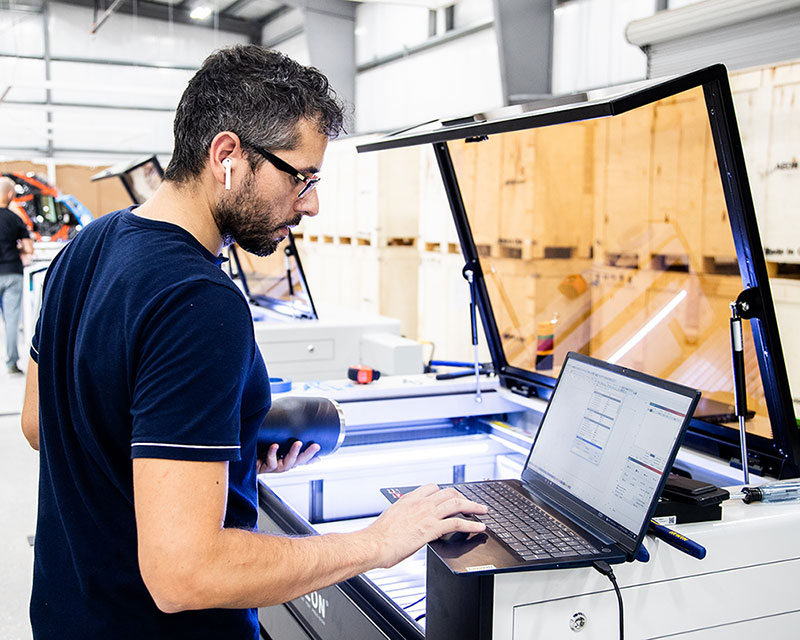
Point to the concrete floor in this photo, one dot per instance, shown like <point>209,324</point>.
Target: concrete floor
<point>19,469</point>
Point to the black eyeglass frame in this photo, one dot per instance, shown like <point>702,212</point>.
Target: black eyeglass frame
<point>309,182</point>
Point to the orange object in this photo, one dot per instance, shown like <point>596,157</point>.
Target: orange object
<point>363,375</point>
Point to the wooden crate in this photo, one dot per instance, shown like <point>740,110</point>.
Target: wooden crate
<point>786,296</point>
<point>525,293</point>
<point>101,197</point>
<point>23,166</point>
<point>563,194</point>
<point>680,139</point>
<point>512,290</point>
<point>388,284</point>
<point>752,100</point>
<point>623,152</point>
<point>388,197</point>
<point>465,161</point>
<point>518,224</point>
<point>717,234</point>
<point>443,308</point>
<point>484,192</point>
<point>781,236</point>
<point>337,191</point>
<point>437,230</point>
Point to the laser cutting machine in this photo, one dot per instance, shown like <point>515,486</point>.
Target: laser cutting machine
<point>626,228</point>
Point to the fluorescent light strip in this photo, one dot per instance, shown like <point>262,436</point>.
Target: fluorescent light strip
<point>651,324</point>
<point>423,451</point>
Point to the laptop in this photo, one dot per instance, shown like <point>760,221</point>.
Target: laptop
<point>592,479</point>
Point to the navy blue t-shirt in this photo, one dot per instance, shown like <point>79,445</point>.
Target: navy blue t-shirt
<point>146,349</point>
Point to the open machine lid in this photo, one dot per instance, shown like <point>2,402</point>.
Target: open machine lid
<point>621,226</point>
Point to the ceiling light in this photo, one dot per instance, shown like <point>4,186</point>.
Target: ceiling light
<point>200,12</point>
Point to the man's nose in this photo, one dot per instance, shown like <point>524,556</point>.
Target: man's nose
<point>308,205</point>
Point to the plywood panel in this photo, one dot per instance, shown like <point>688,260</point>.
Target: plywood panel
<point>626,201</point>
<point>99,197</point>
<point>717,234</point>
<point>518,223</point>
<point>782,186</point>
<point>23,166</point>
<point>680,129</point>
<point>484,216</point>
<point>564,188</point>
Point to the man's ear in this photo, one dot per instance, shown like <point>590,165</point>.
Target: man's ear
<point>224,155</point>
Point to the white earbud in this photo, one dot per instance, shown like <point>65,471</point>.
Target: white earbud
<point>227,164</point>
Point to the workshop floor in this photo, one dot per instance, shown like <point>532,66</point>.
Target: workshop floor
<point>18,487</point>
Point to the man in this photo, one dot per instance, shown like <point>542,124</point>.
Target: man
<point>14,239</point>
<point>146,387</point>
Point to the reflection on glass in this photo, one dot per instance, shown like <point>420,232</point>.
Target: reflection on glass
<point>143,180</point>
<point>611,238</point>
<point>275,282</point>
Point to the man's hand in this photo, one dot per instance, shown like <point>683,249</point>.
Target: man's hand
<point>419,517</point>
<point>294,458</point>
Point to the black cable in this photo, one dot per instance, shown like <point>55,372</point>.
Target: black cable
<point>603,567</point>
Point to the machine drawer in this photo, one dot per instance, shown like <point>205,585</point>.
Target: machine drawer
<point>297,351</point>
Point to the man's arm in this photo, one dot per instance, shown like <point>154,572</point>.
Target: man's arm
<point>26,246</point>
<point>30,406</point>
<point>189,561</point>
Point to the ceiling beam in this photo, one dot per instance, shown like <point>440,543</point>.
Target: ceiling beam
<point>233,6</point>
<point>524,30</point>
<point>179,14</point>
<point>274,14</point>
<point>103,61</point>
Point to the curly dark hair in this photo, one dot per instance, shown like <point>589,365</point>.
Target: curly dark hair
<point>255,92</point>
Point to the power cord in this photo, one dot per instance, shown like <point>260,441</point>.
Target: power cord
<point>603,567</point>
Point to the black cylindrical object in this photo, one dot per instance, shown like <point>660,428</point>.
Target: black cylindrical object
<point>739,380</point>
<point>310,420</point>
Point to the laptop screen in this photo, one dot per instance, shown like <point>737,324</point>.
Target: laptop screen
<point>607,438</point>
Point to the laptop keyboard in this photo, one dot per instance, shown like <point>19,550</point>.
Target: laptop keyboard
<point>529,531</point>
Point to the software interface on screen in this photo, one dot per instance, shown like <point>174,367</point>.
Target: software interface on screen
<point>607,438</point>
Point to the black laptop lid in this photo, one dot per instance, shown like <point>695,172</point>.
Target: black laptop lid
<point>606,443</point>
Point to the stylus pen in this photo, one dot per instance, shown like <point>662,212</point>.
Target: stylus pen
<point>459,374</point>
<point>452,363</point>
<point>675,539</point>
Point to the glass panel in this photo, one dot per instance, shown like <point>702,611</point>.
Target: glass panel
<point>274,282</point>
<point>142,180</point>
<point>611,238</point>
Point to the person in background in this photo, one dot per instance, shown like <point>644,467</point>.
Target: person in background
<point>14,240</point>
<point>146,389</point>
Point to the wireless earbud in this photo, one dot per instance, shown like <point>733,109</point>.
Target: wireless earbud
<point>227,164</point>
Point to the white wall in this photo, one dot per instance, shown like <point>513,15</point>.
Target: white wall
<point>470,11</point>
<point>384,29</point>
<point>144,97</point>
<point>296,48</point>
<point>589,45</point>
<point>456,78</point>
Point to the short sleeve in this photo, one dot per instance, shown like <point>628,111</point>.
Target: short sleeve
<point>34,352</point>
<point>195,352</point>
<point>35,340</point>
<point>22,230</point>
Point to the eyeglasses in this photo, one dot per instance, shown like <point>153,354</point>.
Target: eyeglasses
<point>309,182</point>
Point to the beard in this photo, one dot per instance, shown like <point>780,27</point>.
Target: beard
<point>250,222</point>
